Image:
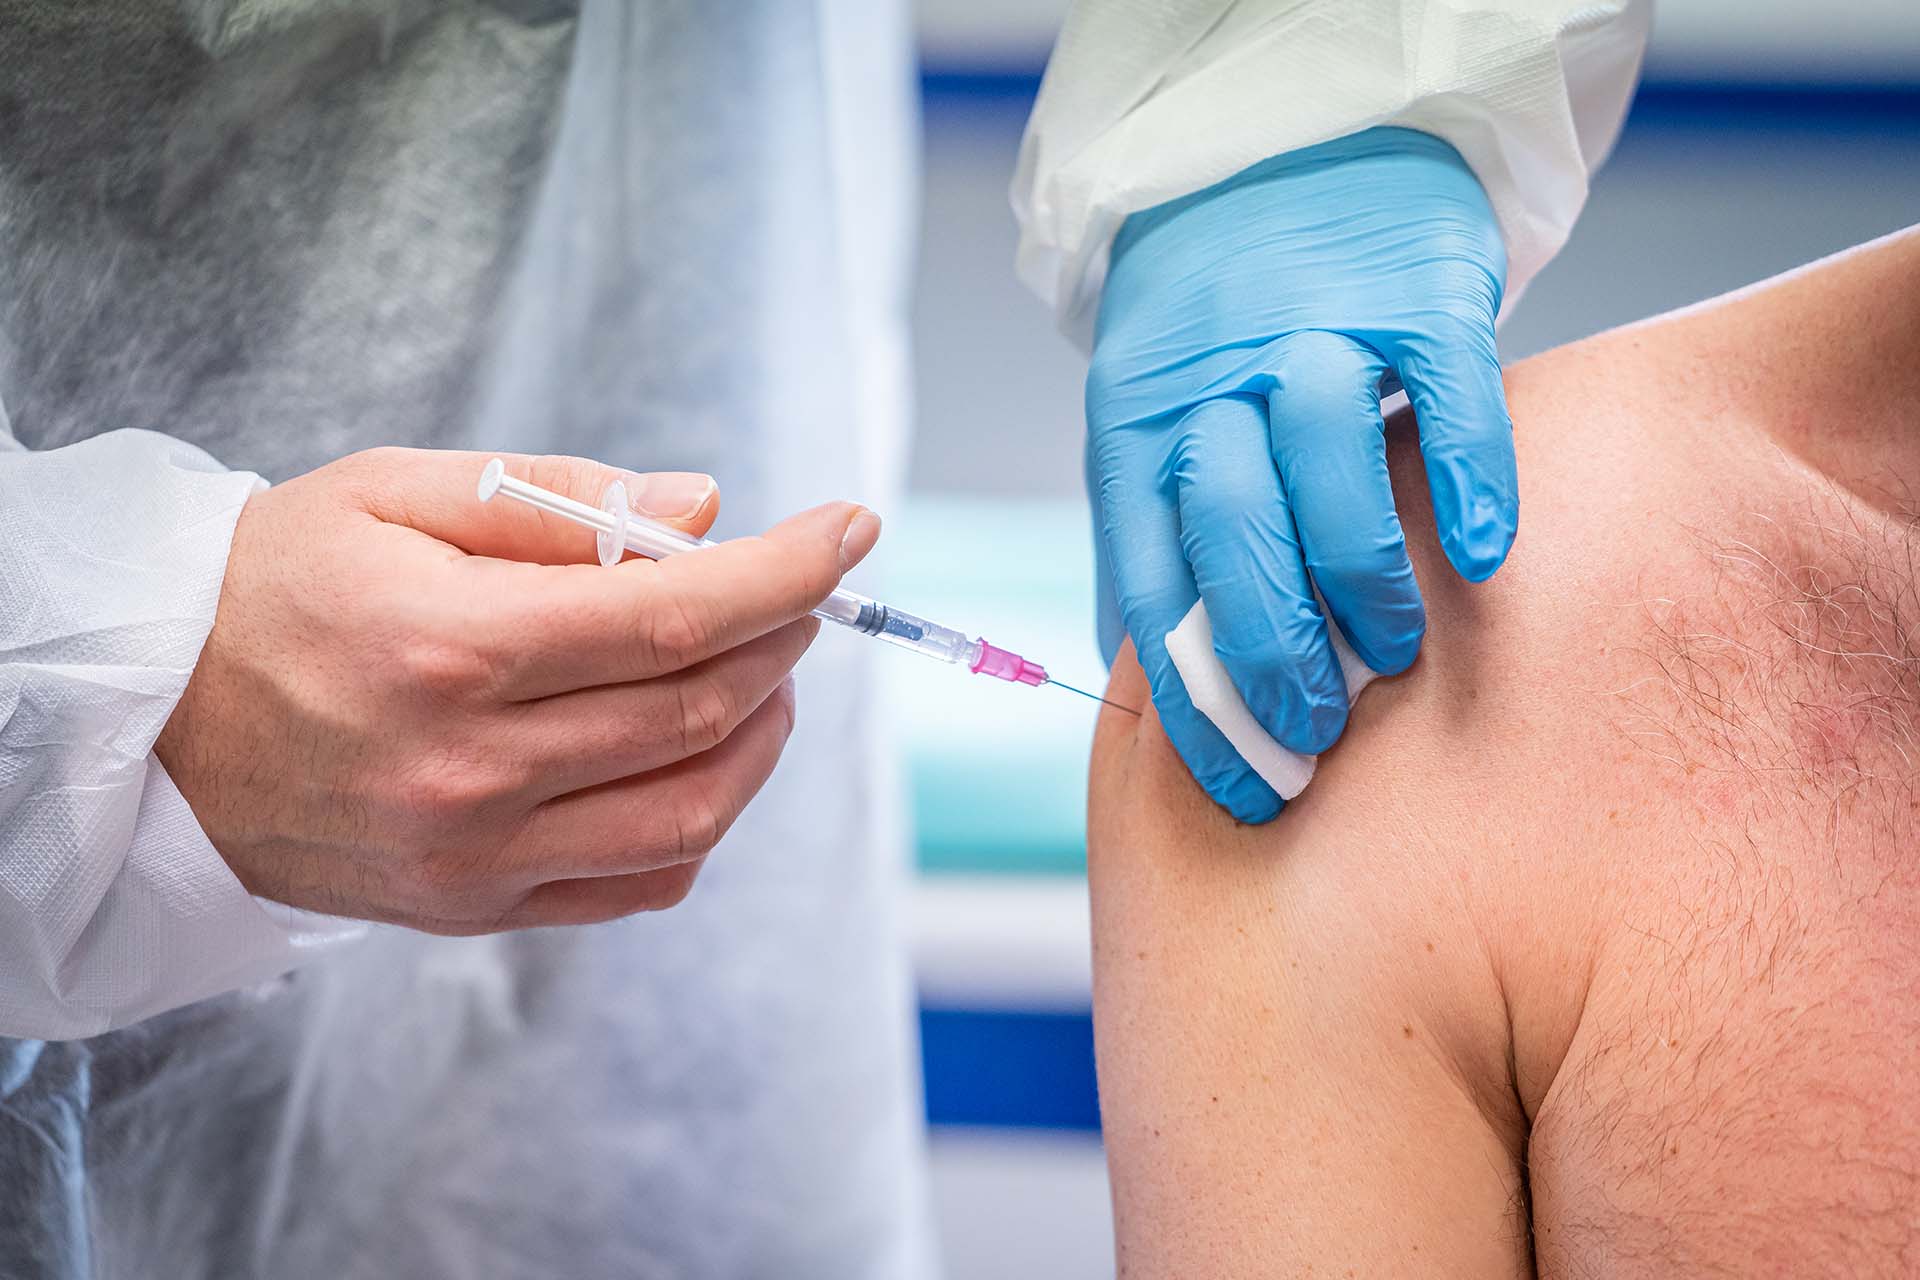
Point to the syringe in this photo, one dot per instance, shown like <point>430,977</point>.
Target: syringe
<point>621,529</point>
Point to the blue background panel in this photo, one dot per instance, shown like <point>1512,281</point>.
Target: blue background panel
<point>1008,1069</point>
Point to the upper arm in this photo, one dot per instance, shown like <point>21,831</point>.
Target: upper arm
<point>1300,1043</point>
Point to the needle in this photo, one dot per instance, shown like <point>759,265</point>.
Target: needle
<point>1096,697</point>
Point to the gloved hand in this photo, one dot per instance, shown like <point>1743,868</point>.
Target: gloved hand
<point>1235,448</point>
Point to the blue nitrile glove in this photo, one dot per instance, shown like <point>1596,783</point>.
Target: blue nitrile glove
<point>1235,449</point>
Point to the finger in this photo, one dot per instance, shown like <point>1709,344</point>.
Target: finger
<point>433,490</point>
<point>1466,439</point>
<point>1238,534</point>
<point>598,899</point>
<point>554,628</point>
<point>659,819</point>
<point>585,737</point>
<point>1330,448</point>
<point>1155,588</point>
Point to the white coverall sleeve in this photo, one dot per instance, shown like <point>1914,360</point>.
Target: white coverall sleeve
<point>113,905</point>
<point>1145,101</point>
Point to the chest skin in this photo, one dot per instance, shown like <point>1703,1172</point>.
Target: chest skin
<point>1699,895</point>
<point>1733,1091</point>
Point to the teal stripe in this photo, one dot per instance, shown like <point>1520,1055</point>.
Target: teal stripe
<point>997,773</point>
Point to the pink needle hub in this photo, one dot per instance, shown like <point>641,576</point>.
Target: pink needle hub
<point>1003,665</point>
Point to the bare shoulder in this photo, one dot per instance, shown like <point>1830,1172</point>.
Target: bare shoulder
<point>1597,939</point>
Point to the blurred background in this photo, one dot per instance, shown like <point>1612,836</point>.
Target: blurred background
<point>1767,133</point>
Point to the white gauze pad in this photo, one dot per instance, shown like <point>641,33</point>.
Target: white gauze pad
<point>1211,690</point>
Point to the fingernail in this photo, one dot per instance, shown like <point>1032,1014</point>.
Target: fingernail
<point>670,495</point>
<point>859,538</point>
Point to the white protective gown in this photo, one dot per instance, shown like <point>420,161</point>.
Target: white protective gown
<point>664,234</point>
<point>1149,100</point>
<point>667,235</point>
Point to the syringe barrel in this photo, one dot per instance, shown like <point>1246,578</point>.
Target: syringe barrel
<point>897,626</point>
<point>621,529</point>
<point>624,530</point>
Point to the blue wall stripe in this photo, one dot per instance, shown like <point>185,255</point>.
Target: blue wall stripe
<point>1772,107</point>
<point>1749,104</point>
<point>954,82</point>
<point>1006,1069</point>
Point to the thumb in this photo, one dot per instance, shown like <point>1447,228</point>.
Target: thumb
<point>433,490</point>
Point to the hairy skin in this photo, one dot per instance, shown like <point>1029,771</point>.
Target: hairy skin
<point>1594,948</point>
